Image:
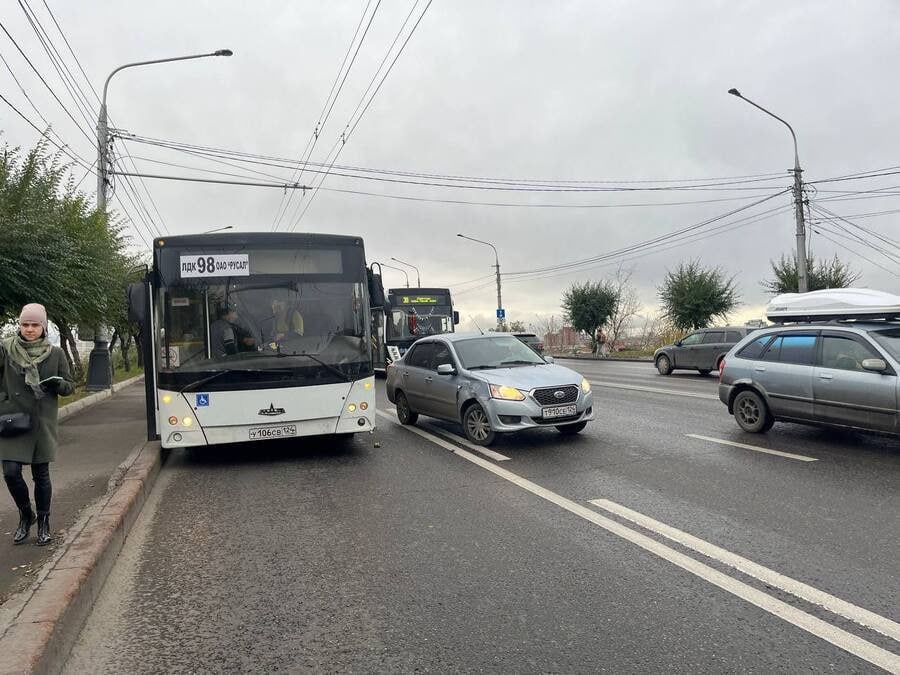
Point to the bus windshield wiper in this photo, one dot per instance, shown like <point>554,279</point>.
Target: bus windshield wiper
<point>330,367</point>
<point>219,374</point>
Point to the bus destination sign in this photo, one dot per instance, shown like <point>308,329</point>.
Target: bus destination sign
<point>418,300</point>
<point>217,265</point>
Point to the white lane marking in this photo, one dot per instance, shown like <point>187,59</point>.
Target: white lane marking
<point>487,452</point>
<point>840,638</point>
<point>755,448</point>
<point>484,451</point>
<point>863,617</point>
<point>653,390</point>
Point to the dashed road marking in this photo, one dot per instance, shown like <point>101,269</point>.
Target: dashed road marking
<point>653,390</point>
<point>840,638</point>
<point>755,448</point>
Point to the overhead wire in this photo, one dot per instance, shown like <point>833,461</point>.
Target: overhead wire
<point>324,115</point>
<point>345,136</point>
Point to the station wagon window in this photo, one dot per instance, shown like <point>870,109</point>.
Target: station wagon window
<point>733,336</point>
<point>692,339</point>
<point>844,353</point>
<point>889,339</point>
<point>756,348</point>
<point>714,337</point>
<point>792,348</point>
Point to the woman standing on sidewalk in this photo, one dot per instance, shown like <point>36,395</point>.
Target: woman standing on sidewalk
<point>33,373</point>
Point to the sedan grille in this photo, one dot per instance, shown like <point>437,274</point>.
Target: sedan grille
<point>556,395</point>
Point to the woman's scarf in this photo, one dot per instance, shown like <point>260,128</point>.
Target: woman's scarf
<point>26,356</point>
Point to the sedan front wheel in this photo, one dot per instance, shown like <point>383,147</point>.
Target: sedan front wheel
<point>477,425</point>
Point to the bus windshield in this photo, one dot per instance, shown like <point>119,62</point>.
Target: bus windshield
<point>269,329</point>
<point>415,322</point>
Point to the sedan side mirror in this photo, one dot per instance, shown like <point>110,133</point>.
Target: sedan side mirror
<point>875,365</point>
<point>677,343</point>
<point>549,359</point>
<point>446,369</point>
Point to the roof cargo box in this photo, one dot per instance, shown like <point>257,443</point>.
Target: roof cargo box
<point>834,303</point>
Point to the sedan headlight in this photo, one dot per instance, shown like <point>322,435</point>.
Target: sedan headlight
<point>506,393</point>
<point>585,386</point>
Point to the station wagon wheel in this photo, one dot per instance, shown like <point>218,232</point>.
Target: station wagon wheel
<point>751,412</point>
<point>404,414</point>
<point>477,426</point>
<point>664,365</point>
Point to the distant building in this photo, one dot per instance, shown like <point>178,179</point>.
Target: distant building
<point>563,338</point>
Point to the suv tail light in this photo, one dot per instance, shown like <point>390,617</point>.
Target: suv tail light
<point>721,369</point>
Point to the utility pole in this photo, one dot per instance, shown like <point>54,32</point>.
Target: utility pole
<point>501,313</point>
<point>802,269</point>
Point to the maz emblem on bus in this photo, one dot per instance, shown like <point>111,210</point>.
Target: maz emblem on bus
<point>271,411</point>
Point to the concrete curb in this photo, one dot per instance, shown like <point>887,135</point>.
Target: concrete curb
<point>41,624</point>
<point>77,406</point>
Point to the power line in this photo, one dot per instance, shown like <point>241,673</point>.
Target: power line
<point>323,116</point>
<point>49,88</point>
<point>885,239</point>
<point>844,246</point>
<point>346,134</point>
<point>62,148</point>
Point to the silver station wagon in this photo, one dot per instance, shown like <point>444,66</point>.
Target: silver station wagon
<point>491,383</point>
<point>842,373</point>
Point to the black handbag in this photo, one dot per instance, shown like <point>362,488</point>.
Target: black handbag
<point>14,424</point>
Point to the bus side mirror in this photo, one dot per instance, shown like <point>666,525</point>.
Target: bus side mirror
<point>137,302</point>
<point>376,290</point>
<point>455,318</point>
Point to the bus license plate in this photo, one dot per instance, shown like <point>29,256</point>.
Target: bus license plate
<point>560,411</point>
<point>283,431</point>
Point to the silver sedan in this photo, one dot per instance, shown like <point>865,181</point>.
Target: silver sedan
<point>491,383</point>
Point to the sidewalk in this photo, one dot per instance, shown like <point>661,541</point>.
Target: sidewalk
<point>92,444</point>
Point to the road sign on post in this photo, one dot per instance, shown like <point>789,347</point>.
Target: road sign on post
<point>501,314</point>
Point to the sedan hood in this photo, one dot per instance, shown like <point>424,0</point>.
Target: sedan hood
<point>529,377</point>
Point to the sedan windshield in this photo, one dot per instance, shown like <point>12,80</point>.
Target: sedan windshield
<point>502,351</point>
<point>890,340</point>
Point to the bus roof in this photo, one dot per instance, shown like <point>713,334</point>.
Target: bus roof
<point>280,239</point>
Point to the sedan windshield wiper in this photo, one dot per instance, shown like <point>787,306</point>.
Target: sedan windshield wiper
<point>519,362</point>
<point>482,367</point>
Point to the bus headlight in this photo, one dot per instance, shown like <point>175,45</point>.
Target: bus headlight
<point>167,398</point>
<point>187,421</point>
<point>506,393</point>
<point>351,407</point>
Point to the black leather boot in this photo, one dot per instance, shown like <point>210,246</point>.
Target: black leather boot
<point>43,532</point>
<point>26,520</point>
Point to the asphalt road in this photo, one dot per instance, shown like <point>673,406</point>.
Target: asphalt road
<point>636,546</point>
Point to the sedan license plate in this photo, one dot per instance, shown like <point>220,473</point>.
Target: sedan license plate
<point>283,431</point>
<point>560,411</point>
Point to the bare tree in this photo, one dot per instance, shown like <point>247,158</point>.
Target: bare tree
<point>545,325</point>
<point>626,308</point>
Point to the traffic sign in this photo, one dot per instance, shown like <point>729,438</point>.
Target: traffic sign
<point>501,313</point>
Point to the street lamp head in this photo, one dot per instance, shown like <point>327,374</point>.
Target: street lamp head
<point>223,52</point>
<point>735,92</point>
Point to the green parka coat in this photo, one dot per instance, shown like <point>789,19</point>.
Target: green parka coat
<point>39,444</point>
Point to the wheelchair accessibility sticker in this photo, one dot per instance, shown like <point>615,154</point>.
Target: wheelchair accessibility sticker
<point>202,400</point>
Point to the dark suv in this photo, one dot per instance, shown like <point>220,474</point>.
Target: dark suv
<point>702,350</point>
<point>532,341</point>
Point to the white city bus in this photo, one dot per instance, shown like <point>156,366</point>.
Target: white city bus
<point>253,336</point>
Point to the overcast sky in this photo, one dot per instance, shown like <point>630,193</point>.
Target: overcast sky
<point>553,91</point>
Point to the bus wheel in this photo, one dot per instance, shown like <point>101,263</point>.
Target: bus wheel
<point>404,414</point>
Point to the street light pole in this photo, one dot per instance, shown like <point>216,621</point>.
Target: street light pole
<point>102,124</point>
<point>501,318</point>
<point>802,270</point>
<point>399,269</point>
<point>418,278</point>
<point>99,375</point>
